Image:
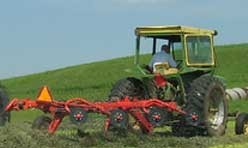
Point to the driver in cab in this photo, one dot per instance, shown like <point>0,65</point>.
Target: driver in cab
<point>163,56</point>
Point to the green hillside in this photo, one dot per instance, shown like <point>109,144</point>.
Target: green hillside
<point>94,80</point>
<point>233,64</point>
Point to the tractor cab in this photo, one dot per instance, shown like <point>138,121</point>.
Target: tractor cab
<point>191,48</point>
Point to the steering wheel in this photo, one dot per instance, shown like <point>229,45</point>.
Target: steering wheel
<point>146,68</point>
<point>179,63</point>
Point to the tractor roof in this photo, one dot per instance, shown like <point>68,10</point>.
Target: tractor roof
<point>171,30</point>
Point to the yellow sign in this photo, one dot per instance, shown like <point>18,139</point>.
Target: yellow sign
<point>44,95</point>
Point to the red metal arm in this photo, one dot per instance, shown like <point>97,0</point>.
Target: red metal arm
<point>22,104</point>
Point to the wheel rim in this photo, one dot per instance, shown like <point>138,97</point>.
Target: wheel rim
<point>216,108</point>
<point>246,128</point>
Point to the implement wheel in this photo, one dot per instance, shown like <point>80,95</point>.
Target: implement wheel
<point>241,124</point>
<point>41,123</point>
<point>119,119</point>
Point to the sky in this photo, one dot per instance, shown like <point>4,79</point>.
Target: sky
<point>41,35</point>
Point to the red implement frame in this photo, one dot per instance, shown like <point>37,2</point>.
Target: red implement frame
<point>60,109</point>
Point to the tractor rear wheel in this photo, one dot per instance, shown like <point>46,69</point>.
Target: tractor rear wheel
<point>42,122</point>
<point>130,87</point>
<point>206,99</point>
<point>4,116</point>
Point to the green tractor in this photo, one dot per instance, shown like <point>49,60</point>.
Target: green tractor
<point>192,84</point>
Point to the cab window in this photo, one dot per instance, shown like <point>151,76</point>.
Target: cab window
<point>199,50</point>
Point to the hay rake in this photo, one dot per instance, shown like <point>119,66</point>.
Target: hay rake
<point>148,113</point>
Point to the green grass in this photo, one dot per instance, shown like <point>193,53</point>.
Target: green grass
<point>21,135</point>
<point>89,80</point>
<point>232,64</point>
<point>94,81</point>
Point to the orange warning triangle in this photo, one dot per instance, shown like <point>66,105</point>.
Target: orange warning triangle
<point>44,95</point>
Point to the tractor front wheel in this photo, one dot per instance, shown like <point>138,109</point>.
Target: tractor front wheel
<point>129,86</point>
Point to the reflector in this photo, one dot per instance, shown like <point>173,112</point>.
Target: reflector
<point>44,95</point>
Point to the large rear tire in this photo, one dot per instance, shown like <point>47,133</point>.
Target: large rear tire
<point>207,100</point>
<point>4,116</point>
